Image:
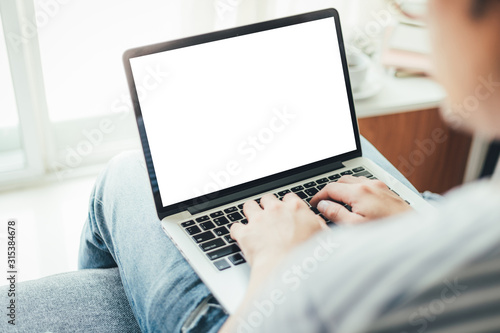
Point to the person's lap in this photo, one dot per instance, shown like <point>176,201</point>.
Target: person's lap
<point>123,230</point>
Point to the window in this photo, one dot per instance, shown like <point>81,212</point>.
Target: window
<point>67,75</point>
<point>12,155</point>
<point>81,46</point>
<point>20,150</point>
<point>62,64</point>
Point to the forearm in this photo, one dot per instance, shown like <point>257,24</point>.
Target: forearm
<point>259,276</point>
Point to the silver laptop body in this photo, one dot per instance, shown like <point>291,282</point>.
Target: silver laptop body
<point>228,116</point>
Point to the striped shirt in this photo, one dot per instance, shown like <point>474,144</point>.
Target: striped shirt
<point>434,271</point>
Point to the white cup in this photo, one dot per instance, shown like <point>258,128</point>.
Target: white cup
<point>358,64</point>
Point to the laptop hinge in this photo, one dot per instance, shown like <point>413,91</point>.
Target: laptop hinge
<point>254,190</point>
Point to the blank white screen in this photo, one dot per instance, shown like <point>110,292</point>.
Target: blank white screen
<point>243,108</point>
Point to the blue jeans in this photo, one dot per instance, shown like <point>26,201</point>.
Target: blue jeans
<point>122,230</point>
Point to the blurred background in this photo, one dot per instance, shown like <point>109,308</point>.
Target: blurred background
<point>65,109</point>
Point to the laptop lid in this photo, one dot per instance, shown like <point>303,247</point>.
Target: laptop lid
<point>242,111</point>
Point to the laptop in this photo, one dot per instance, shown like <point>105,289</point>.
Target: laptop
<point>229,116</point>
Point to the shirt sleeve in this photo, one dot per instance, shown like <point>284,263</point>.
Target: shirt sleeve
<point>350,278</point>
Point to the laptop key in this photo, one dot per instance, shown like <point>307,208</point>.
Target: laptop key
<point>221,220</point>
<point>228,239</point>
<point>356,170</point>
<point>322,181</point>
<point>207,225</point>
<point>244,221</point>
<point>187,223</point>
<point>320,187</point>
<point>222,264</point>
<point>297,188</point>
<point>193,230</point>
<point>203,218</point>
<point>301,195</point>
<point>334,177</point>
<point>221,231</point>
<point>310,184</point>
<point>345,173</point>
<point>283,193</point>
<point>363,174</point>
<point>237,259</point>
<point>216,214</point>
<point>213,244</point>
<point>230,210</point>
<point>234,217</point>
<point>222,252</point>
<point>315,210</point>
<point>240,206</point>
<point>311,191</point>
<point>203,237</point>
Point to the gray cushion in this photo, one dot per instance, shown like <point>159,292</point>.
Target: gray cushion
<point>91,300</point>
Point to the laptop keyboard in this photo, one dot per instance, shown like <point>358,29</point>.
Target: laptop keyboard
<point>211,231</point>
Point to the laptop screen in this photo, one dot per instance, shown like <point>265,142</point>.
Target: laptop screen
<point>227,112</point>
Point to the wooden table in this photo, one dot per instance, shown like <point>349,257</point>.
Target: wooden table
<point>403,122</point>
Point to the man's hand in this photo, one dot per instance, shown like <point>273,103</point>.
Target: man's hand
<point>369,199</point>
<point>274,228</point>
